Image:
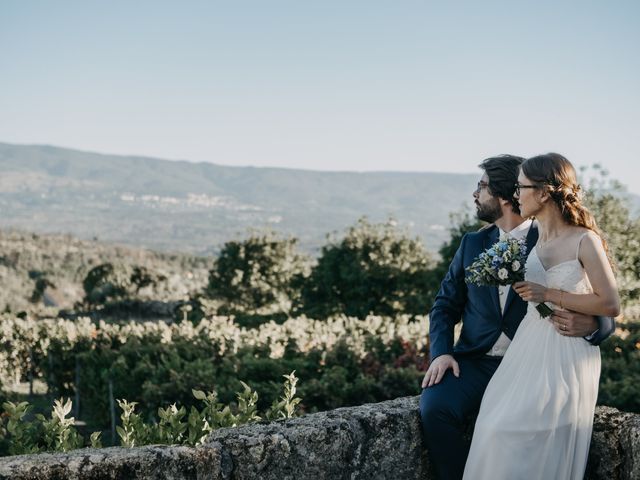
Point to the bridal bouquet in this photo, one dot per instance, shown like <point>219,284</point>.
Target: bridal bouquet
<point>502,264</point>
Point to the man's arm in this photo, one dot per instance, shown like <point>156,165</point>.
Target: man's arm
<point>448,306</point>
<point>573,324</point>
<point>446,312</point>
<point>607,325</point>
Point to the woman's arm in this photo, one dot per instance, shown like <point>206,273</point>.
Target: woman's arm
<point>603,301</point>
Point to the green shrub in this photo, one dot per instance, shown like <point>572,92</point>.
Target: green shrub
<point>257,275</point>
<point>620,377</point>
<point>374,269</point>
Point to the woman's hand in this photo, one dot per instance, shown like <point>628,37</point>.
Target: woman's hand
<point>531,292</point>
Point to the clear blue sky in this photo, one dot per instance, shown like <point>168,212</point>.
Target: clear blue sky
<point>330,85</point>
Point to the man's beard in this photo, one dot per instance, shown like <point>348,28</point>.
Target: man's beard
<point>489,212</point>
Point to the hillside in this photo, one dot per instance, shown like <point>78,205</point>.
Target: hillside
<point>64,261</point>
<point>195,207</point>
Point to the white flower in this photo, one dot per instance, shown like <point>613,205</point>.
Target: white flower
<point>515,266</point>
<point>503,274</point>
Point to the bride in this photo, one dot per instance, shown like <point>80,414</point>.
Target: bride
<point>536,416</point>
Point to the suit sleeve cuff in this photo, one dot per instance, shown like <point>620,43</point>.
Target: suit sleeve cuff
<point>589,338</point>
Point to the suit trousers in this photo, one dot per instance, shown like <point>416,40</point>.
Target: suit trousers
<point>447,408</point>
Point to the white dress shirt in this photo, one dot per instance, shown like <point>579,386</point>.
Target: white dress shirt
<point>500,347</point>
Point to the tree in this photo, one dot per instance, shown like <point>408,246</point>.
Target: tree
<point>373,269</point>
<point>258,275</point>
<point>105,282</point>
<point>108,282</point>
<point>461,223</point>
<point>142,277</point>
<point>606,199</point>
<point>41,284</point>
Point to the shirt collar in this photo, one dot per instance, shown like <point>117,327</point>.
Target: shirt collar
<point>519,232</point>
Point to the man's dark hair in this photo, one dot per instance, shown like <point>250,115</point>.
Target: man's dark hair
<point>503,175</point>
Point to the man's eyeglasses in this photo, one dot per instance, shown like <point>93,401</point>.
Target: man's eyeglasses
<point>480,186</point>
<point>519,186</point>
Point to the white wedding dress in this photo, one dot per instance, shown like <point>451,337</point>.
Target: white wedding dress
<point>536,416</point>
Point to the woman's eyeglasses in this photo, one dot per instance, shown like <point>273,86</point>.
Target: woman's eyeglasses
<point>519,186</point>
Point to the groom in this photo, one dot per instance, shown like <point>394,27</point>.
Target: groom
<point>458,375</point>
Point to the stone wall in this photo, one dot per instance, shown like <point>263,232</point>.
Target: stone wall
<point>374,441</point>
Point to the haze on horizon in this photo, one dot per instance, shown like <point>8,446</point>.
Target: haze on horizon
<point>359,86</point>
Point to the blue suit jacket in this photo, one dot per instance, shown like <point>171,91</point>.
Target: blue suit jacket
<point>479,307</point>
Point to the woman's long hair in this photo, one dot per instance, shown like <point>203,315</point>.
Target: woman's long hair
<point>556,174</point>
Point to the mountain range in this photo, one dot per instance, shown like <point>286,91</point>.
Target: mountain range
<point>195,207</point>
<point>168,205</point>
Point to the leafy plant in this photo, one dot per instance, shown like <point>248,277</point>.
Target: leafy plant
<point>285,407</point>
<point>58,431</point>
<point>171,428</point>
<point>22,435</point>
<point>95,440</point>
<point>132,432</point>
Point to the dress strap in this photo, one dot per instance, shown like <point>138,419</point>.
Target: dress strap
<point>579,242</point>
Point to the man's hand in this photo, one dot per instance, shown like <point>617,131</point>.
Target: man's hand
<point>438,368</point>
<point>573,324</point>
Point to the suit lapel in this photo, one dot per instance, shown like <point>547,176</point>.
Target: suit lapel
<point>532,238</point>
<point>491,239</point>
